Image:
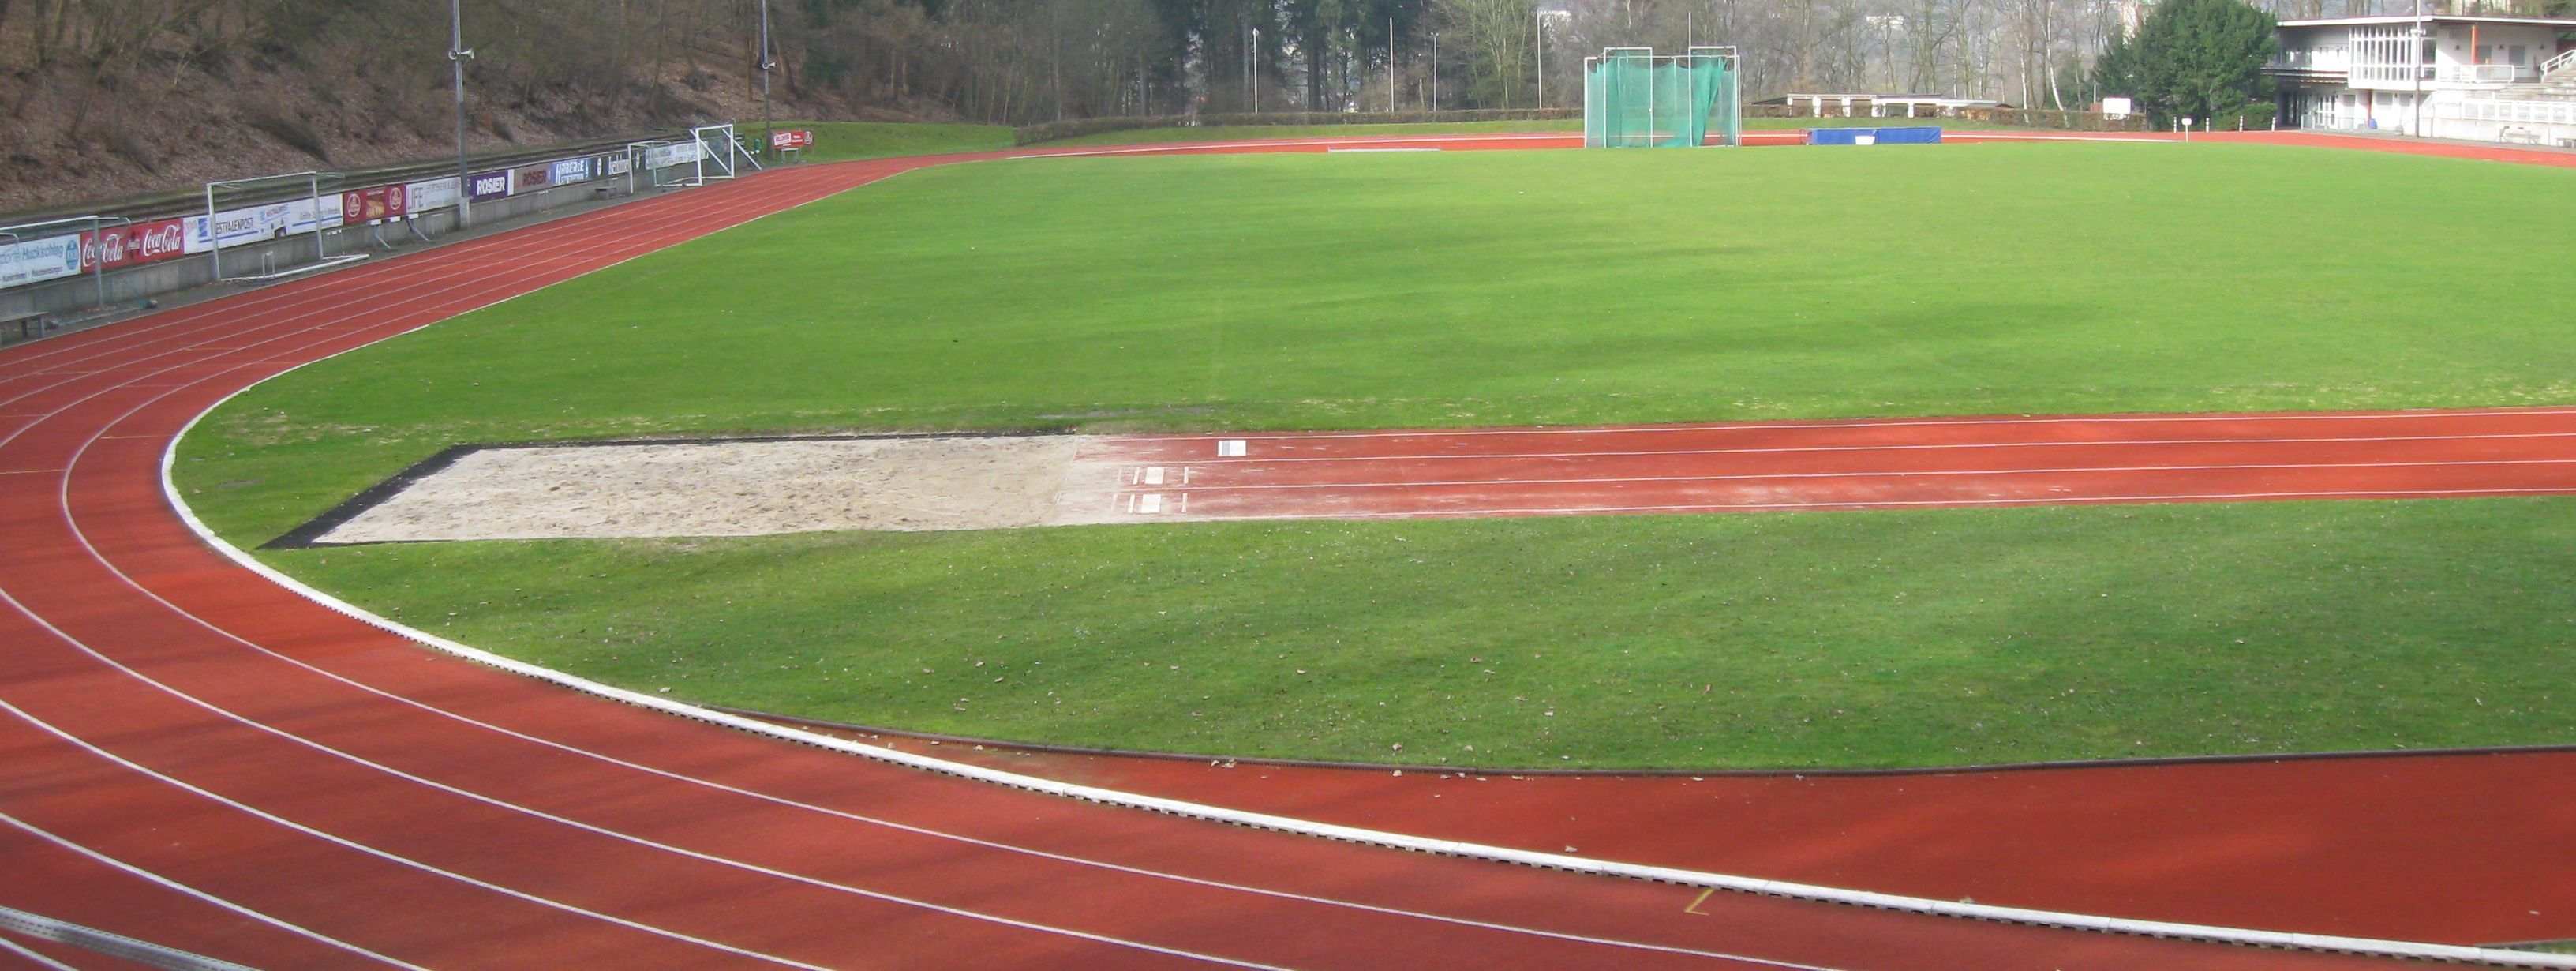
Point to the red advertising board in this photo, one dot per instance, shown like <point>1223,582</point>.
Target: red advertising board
<point>381,202</point>
<point>791,139</point>
<point>119,247</point>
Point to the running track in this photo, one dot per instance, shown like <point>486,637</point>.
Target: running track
<point>1874,464</point>
<point>203,758</point>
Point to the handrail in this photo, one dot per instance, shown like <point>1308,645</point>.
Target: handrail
<point>2564,59</point>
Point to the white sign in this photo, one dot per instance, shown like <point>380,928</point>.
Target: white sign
<point>665,156</point>
<point>572,170</point>
<point>619,165</point>
<point>38,260</point>
<point>276,220</point>
<point>2117,108</point>
<point>433,194</point>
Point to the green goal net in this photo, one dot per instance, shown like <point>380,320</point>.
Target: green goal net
<point>1634,98</point>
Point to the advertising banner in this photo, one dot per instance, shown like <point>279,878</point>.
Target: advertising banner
<point>487,186</point>
<point>276,220</point>
<point>434,194</point>
<point>531,178</point>
<point>619,165</point>
<point>791,139</point>
<point>380,202</point>
<point>119,247</point>
<point>665,156</point>
<point>572,170</point>
<point>38,260</point>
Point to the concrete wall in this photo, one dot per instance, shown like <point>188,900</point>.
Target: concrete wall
<point>75,297</point>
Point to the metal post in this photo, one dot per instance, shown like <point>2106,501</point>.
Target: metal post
<point>1256,70</point>
<point>1539,42</point>
<point>457,52</point>
<point>214,243</point>
<point>768,129</point>
<point>313,189</point>
<point>1390,65</point>
<point>1435,72</point>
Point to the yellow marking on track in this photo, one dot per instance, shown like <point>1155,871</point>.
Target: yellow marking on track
<point>1696,901</point>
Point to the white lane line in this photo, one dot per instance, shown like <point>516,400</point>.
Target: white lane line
<point>387,855</point>
<point>130,869</point>
<point>1929,447</point>
<point>1897,473</point>
<point>1149,504</point>
<point>1836,505</point>
<point>1873,423</point>
<point>1154,476</point>
<point>1225,448</point>
<point>31,954</point>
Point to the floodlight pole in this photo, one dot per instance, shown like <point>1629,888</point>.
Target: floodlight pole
<point>1256,70</point>
<point>457,53</point>
<point>768,129</point>
<point>1390,65</point>
<point>1435,72</point>
<point>1539,42</point>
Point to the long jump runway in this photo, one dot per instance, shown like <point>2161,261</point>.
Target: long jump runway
<point>1861,464</point>
<point>196,755</point>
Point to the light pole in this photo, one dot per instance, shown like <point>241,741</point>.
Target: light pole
<point>1435,72</point>
<point>1390,65</point>
<point>457,52</point>
<point>1540,42</point>
<point>768,130</point>
<point>1256,70</point>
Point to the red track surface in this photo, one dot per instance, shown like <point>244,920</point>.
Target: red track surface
<point>1878,464</point>
<point>197,757</point>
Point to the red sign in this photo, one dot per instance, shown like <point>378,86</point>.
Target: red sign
<point>791,139</point>
<point>381,202</point>
<point>118,247</point>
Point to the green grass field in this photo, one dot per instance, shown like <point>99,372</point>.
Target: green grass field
<point>1310,291</point>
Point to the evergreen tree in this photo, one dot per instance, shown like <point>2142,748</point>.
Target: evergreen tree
<point>2192,58</point>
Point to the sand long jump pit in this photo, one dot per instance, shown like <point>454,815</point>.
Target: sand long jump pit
<point>747,487</point>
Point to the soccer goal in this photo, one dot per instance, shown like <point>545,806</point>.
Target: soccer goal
<point>1635,98</point>
<point>719,153</point>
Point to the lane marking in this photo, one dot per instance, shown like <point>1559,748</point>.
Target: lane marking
<point>1154,475</point>
<point>1896,473</point>
<point>1225,448</point>
<point>1696,901</point>
<point>31,954</point>
<point>1926,447</point>
<point>1149,503</point>
<point>1883,423</point>
<point>386,855</point>
<point>1944,503</point>
<point>166,882</point>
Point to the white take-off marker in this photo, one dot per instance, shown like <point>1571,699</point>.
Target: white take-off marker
<point>1154,475</point>
<point>1150,503</point>
<point>1229,448</point>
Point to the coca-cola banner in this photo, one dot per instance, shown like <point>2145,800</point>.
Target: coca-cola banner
<point>118,247</point>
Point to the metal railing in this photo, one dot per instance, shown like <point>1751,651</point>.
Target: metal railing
<point>2562,60</point>
<point>2501,109</point>
<point>2480,73</point>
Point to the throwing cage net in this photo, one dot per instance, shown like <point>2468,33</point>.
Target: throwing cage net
<point>1634,98</point>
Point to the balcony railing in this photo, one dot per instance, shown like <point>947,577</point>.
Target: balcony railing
<point>2483,73</point>
<point>2533,112</point>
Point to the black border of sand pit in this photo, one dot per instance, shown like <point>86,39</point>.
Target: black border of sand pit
<point>308,535</point>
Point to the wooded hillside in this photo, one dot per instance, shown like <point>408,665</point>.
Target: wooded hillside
<point>110,97</point>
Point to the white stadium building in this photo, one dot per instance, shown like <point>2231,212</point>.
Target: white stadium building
<point>2483,78</point>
